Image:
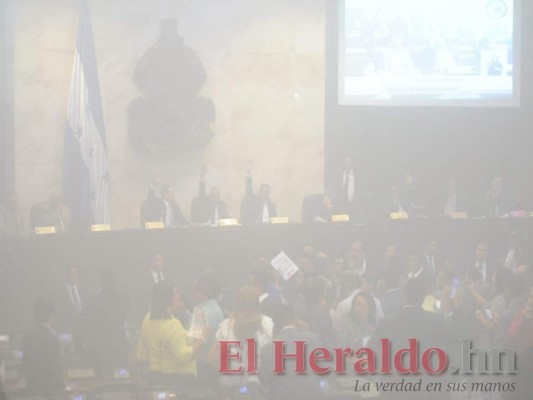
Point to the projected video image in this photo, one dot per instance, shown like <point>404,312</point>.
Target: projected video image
<point>426,52</point>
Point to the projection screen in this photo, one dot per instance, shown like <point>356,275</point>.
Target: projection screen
<point>429,52</point>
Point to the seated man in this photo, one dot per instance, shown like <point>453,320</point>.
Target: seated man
<point>455,200</point>
<point>318,208</point>
<point>496,201</point>
<point>164,208</point>
<point>54,213</point>
<point>257,208</point>
<point>151,206</point>
<point>41,353</point>
<point>208,209</point>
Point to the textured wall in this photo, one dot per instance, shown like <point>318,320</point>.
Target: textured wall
<point>265,73</point>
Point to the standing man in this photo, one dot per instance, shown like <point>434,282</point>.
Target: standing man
<point>42,354</point>
<point>146,282</point>
<point>69,301</point>
<point>481,272</point>
<point>430,262</point>
<point>347,195</point>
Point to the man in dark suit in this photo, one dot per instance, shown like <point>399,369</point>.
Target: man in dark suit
<point>394,203</point>
<point>392,299</point>
<point>417,270</point>
<point>102,324</point>
<point>69,301</point>
<point>208,208</point>
<point>347,190</point>
<point>429,259</point>
<point>170,210</point>
<point>482,270</point>
<point>356,260</point>
<point>318,208</point>
<point>42,354</point>
<point>497,202</point>
<point>412,322</point>
<point>164,208</point>
<point>146,281</point>
<point>53,212</point>
<point>289,385</point>
<point>454,200</point>
<point>151,206</point>
<point>257,208</point>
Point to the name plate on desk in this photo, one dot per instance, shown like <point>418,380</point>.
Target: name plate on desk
<point>459,215</point>
<point>100,228</point>
<point>80,373</point>
<point>45,230</point>
<point>340,218</point>
<point>399,215</point>
<point>228,222</point>
<point>154,225</point>
<point>279,220</point>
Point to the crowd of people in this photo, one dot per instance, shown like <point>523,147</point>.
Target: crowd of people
<point>334,300</point>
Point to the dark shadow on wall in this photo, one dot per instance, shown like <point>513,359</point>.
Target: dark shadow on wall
<point>170,117</point>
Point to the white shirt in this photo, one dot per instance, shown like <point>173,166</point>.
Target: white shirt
<point>481,266</point>
<point>266,214</point>
<point>157,276</point>
<point>217,216</point>
<point>510,259</point>
<point>263,297</point>
<point>415,274</point>
<point>169,216</point>
<point>431,262</point>
<point>74,297</point>
<point>451,205</point>
<point>348,183</point>
<point>362,270</point>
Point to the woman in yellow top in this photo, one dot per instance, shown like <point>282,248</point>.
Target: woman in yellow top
<point>164,343</point>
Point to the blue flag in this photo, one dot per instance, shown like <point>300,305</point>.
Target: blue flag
<point>85,167</point>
